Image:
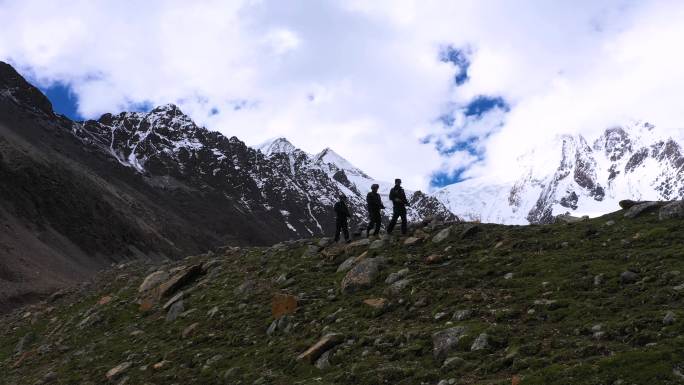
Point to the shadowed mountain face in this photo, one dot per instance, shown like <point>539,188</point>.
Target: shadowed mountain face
<point>76,197</point>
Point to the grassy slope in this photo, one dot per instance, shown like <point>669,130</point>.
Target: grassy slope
<point>552,345</point>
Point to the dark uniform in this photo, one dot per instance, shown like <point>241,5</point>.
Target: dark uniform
<point>398,198</point>
<point>375,206</point>
<point>343,215</point>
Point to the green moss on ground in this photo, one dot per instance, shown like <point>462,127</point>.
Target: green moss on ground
<point>564,317</point>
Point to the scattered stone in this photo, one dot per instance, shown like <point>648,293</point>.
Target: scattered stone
<point>57,295</point>
<point>610,223</point>
<point>469,231</point>
<point>173,300</point>
<point>182,278</point>
<point>453,363</point>
<point>462,315</point>
<point>598,280</point>
<point>212,312</point>
<point>213,360</point>
<point>161,365</point>
<point>628,277</point>
<point>190,330</point>
<point>410,241</point>
<point>377,244</point>
<point>641,208</point>
<point>396,288</point>
<point>445,341</point>
<point>153,280</point>
<point>433,258</point>
<point>324,242</point>
<point>283,304</point>
<point>394,277</point>
<point>174,311</point>
<point>282,324</point>
<point>481,342</point>
<point>669,318</point>
<point>104,300</point>
<point>116,372</point>
<point>516,380</point>
<point>376,303</point>
<point>246,289</point>
<point>24,343</point>
<point>359,243</point>
<point>361,276</point>
<point>439,316</point>
<point>323,362</point>
<point>442,235</point>
<point>346,265</point>
<point>324,344</point>
<point>678,287</point>
<point>90,320</point>
<point>508,276</point>
<point>49,378</point>
<point>673,210</point>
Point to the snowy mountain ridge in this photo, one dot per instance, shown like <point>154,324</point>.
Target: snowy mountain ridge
<point>577,176</point>
<point>352,181</point>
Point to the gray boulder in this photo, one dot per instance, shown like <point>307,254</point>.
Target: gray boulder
<point>641,208</point>
<point>442,235</point>
<point>481,342</point>
<point>673,210</point>
<point>346,265</point>
<point>361,276</point>
<point>628,277</point>
<point>446,341</point>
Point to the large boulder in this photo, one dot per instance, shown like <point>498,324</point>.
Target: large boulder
<point>179,280</point>
<point>153,280</point>
<point>642,207</point>
<point>443,342</point>
<point>362,276</point>
<point>442,235</point>
<point>672,210</point>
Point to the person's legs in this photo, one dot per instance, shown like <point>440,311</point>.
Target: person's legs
<point>393,221</point>
<point>338,228</point>
<point>403,223</point>
<point>377,220</point>
<point>345,230</point>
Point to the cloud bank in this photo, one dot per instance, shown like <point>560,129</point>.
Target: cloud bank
<point>425,90</point>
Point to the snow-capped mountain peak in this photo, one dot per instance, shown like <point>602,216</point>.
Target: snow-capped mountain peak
<point>276,146</point>
<point>578,176</point>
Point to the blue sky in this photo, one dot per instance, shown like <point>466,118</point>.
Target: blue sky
<point>64,100</point>
<point>432,92</point>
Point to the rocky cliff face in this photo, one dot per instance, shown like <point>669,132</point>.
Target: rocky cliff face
<point>635,162</point>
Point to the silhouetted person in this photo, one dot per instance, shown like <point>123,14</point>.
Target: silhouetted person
<point>343,215</point>
<point>375,206</point>
<point>399,202</point>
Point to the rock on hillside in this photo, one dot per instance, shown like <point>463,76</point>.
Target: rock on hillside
<point>592,302</point>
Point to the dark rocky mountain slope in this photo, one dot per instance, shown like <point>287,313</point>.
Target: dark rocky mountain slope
<point>78,196</point>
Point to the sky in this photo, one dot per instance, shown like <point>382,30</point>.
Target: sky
<point>434,92</point>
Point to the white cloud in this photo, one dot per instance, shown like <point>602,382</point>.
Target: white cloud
<point>364,77</point>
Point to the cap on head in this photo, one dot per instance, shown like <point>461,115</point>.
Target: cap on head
<point>397,181</point>
<point>375,186</point>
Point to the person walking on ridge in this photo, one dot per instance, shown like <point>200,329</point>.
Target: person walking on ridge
<point>399,202</point>
<point>342,211</point>
<point>375,206</point>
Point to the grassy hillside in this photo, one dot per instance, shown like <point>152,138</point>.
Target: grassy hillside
<point>594,302</point>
